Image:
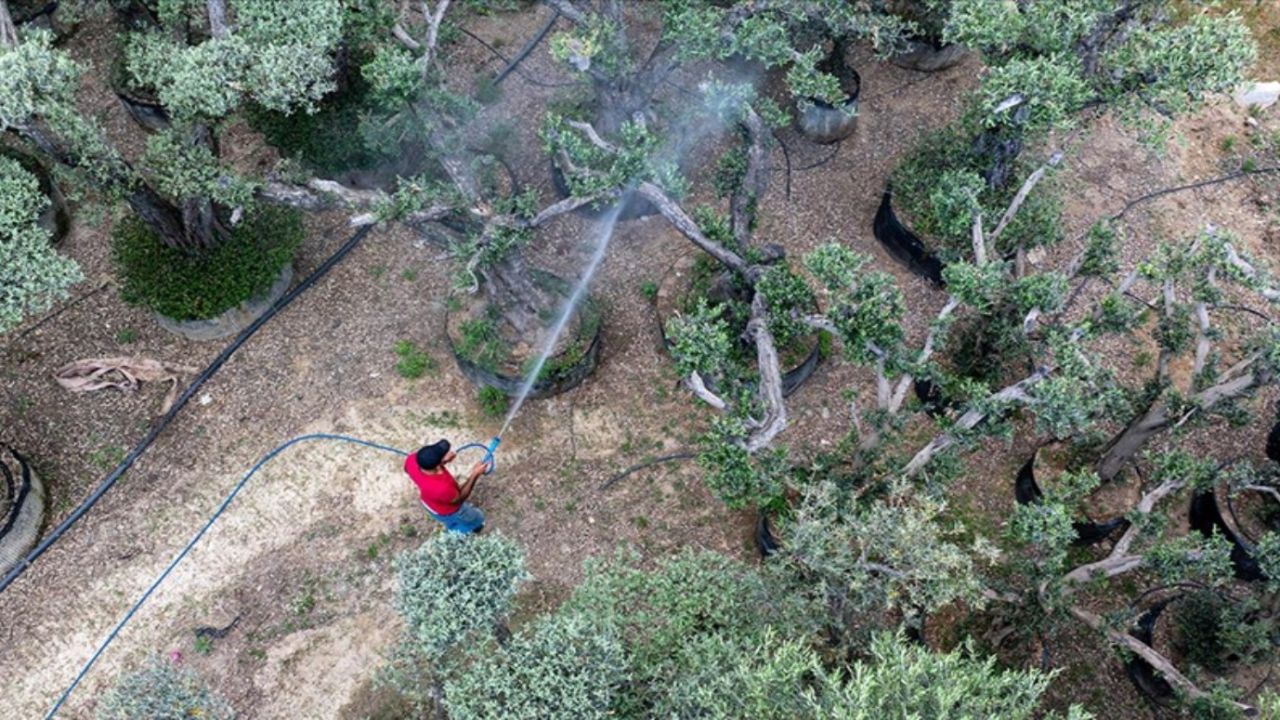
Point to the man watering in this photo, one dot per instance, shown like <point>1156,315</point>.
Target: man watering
<point>442,496</point>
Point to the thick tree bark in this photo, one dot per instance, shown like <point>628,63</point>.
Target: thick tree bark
<point>158,213</point>
<point>968,421</point>
<point>685,224</point>
<point>755,181</point>
<point>770,388</point>
<point>1155,659</point>
<point>1158,418</point>
<point>217,10</point>
<point>8,34</point>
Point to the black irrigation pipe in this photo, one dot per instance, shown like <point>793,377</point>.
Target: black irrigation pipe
<point>1192,186</point>
<point>59,311</point>
<point>648,463</point>
<point>512,63</point>
<point>187,394</point>
<point>528,48</point>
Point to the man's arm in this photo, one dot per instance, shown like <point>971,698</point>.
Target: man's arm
<point>464,491</point>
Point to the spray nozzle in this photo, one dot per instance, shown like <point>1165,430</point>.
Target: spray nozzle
<point>489,451</point>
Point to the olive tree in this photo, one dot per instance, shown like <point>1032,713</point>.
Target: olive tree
<point>1049,67</point>
<point>32,273</point>
<point>278,54</point>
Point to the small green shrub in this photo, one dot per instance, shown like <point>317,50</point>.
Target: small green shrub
<point>124,336</point>
<point>481,343</point>
<point>162,691</point>
<point>493,402</point>
<point>562,666</point>
<point>1212,630</point>
<point>413,363</point>
<point>192,287</point>
<point>456,585</point>
<point>649,290</point>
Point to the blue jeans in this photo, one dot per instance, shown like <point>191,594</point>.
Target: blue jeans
<point>468,519</point>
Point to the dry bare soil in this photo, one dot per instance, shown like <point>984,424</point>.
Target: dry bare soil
<point>303,557</point>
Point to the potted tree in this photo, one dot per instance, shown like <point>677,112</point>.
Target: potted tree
<point>186,203</point>
<point>1142,60</point>
<point>927,50</point>
<point>22,507</point>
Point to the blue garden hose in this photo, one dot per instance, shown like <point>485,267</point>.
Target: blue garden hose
<point>489,449</point>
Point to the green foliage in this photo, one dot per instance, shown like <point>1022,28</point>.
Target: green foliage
<point>324,139</point>
<point>481,343</point>
<point>191,287</point>
<point>736,476</point>
<point>892,556</point>
<point>1062,55</point>
<point>455,588</point>
<point>32,274</point>
<point>943,181</point>
<point>38,85</point>
<point>1047,526</point>
<point>561,666</point>
<point>1213,630</point>
<point>904,681</point>
<point>280,55</point>
<point>681,622</point>
<point>189,171</point>
<point>493,402</point>
<point>412,363</point>
<point>701,342</point>
<point>865,307</point>
<point>636,160</point>
<point>163,691</point>
<point>787,296</point>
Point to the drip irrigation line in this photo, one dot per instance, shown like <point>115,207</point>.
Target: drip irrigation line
<point>512,63</point>
<point>835,150</point>
<point>187,394</point>
<point>164,575</point>
<point>1192,186</point>
<point>528,48</point>
<point>648,463</point>
<point>84,296</point>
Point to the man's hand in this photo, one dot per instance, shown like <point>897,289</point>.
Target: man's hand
<point>479,469</point>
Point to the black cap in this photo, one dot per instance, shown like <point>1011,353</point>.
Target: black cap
<point>430,456</point>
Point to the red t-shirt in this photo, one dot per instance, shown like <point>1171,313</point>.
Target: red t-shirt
<point>437,490</point>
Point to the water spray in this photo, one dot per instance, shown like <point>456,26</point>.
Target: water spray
<point>605,233</point>
<point>607,224</point>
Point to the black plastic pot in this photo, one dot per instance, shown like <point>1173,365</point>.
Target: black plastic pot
<point>1206,517</point>
<point>1026,491</point>
<point>564,379</point>
<point>22,506</point>
<point>930,397</point>
<point>824,123</point>
<point>1149,682</point>
<point>927,56</point>
<point>904,244</point>
<point>56,218</point>
<point>1273,443</point>
<point>792,379</point>
<point>767,541</point>
<point>636,207</point>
